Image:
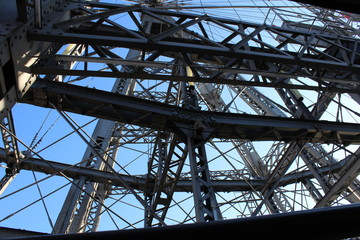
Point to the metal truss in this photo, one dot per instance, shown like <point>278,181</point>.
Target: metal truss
<point>275,61</point>
<point>208,118</point>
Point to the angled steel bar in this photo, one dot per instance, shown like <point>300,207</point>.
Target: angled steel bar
<point>274,178</point>
<point>265,107</point>
<point>12,152</point>
<point>116,25</point>
<point>178,28</point>
<point>94,16</point>
<point>155,175</point>
<point>246,149</point>
<point>347,175</point>
<point>168,169</point>
<point>77,209</point>
<point>111,169</point>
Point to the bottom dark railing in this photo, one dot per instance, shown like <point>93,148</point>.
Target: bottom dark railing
<point>322,223</point>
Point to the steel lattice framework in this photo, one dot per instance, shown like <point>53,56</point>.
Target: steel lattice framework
<point>208,116</point>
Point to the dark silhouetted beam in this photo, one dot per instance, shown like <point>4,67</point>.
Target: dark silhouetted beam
<point>323,223</point>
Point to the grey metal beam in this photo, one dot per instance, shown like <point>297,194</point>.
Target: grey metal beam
<point>109,166</point>
<point>139,182</point>
<point>219,80</point>
<point>205,203</point>
<point>194,48</point>
<point>161,116</point>
<point>278,172</point>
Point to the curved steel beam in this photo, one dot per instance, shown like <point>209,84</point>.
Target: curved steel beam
<point>156,115</point>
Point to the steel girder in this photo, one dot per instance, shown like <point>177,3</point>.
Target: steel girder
<point>161,116</point>
<point>79,202</point>
<point>183,183</point>
<point>274,184</point>
<point>206,206</point>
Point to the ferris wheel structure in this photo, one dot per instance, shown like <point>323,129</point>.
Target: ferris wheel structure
<point>120,115</point>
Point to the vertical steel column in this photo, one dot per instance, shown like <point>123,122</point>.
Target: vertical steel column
<point>155,174</point>
<point>206,206</point>
<point>246,150</point>
<point>75,211</point>
<point>76,207</point>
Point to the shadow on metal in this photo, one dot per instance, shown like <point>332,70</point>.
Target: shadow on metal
<point>322,223</point>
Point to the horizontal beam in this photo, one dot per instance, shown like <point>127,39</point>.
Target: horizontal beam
<point>139,182</point>
<point>160,116</point>
<point>189,47</point>
<point>339,88</point>
<point>298,225</point>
